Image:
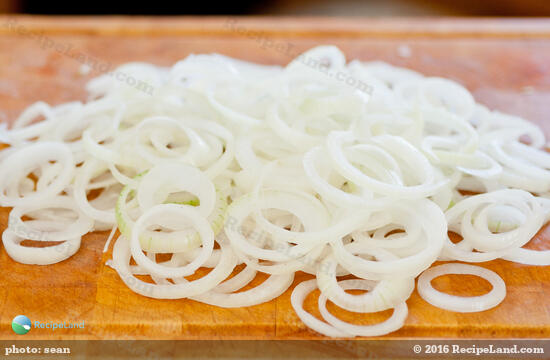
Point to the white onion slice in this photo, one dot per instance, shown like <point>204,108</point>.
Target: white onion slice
<point>299,294</point>
<point>384,295</point>
<point>271,288</point>
<point>38,255</point>
<point>69,230</point>
<point>460,303</point>
<point>392,324</point>
<point>155,186</point>
<point>182,288</point>
<point>171,215</point>
<point>19,163</point>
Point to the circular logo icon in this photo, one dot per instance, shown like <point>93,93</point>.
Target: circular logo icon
<point>21,324</point>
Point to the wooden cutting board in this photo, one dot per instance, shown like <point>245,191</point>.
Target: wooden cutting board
<point>505,63</point>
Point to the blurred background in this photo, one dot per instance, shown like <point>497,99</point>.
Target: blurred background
<point>286,7</point>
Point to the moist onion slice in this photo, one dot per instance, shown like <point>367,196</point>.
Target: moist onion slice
<point>38,255</point>
<point>396,320</point>
<point>171,215</point>
<point>460,303</point>
<point>297,298</point>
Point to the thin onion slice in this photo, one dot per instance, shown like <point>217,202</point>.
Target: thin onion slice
<point>460,303</point>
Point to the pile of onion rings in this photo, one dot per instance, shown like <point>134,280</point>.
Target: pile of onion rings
<point>246,169</point>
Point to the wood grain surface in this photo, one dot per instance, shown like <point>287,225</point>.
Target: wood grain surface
<point>506,65</point>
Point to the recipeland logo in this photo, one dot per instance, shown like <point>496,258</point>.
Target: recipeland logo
<point>22,325</point>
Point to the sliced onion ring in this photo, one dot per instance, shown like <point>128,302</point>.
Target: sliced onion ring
<point>460,303</point>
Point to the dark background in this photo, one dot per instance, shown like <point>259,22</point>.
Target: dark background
<point>284,7</point>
